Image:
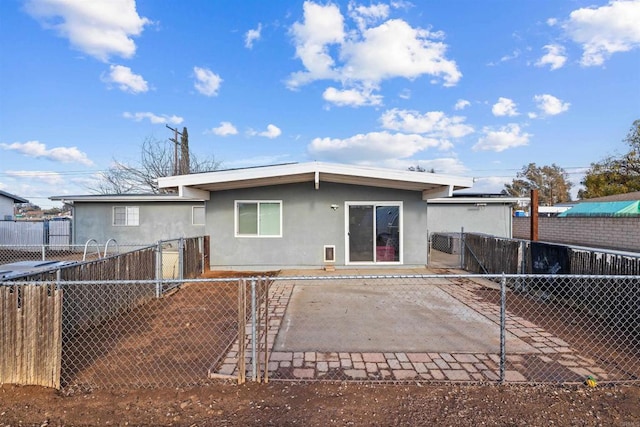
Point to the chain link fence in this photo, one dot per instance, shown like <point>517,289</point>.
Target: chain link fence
<point>398,329</point>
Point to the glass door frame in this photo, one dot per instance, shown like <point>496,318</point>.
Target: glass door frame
<point>375,204</point>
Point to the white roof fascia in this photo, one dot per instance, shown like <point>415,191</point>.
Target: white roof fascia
<point>193,193</point>
<point>474,200</point>
<point>315,172</point>
<point>127,198</point>
<point>438,192</point>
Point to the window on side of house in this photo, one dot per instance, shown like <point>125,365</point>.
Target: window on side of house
<point>126,216</point>
<point>197,215</point>
<point>258,218</point>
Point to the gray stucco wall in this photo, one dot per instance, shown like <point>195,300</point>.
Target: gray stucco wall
<point>309,223</point>
<point>158,221</point>
<point>492,219</point>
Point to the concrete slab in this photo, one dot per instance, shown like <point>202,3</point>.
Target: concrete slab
<point>348,316</point>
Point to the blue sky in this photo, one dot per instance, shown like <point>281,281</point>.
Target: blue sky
<point>466,87</point>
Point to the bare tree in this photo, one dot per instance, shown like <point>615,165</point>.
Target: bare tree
<point>156,160</point>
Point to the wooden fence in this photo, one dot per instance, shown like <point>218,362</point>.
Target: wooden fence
<point>495,255</point>
<point>30,335</point>
<point>490,254</point>
<point>35,319</point>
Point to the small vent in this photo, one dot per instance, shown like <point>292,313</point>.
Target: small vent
<point>329,253</point>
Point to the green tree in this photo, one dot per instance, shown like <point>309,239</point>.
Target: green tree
<point>184,153</point>
<point>418,168</point>
<point>615,175</point>
<point>552,183</point>
<point>156,160</point>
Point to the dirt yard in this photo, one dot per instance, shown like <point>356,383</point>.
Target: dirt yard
<point>322,404</point>
<point>309,404</point>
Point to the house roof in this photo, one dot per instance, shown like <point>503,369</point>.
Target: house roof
<point>127,198</point>
<point>431,185</point>
<point>607,209</point>
<point>633,196</point>
<point>16,199</point>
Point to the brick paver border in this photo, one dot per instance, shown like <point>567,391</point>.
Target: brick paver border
<point>550,351</point>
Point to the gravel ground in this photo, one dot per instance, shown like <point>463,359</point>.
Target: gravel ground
<point>323,404</point>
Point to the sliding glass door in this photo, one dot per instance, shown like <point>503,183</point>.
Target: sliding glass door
<point>374,232</point>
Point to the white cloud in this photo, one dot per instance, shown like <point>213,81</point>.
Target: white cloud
<point>435,124</point>
<point>506,137</point>
<point>395,49</point>
<point>251,36</point>
<point>50,178</point>
<point>405,94</point>
<point>272,132</point>
<point>153,118</point>
<point>363,57</point>
<point>323,26</point>
<point>126,80</point>
<point>550,105</point>
<point>225,129</point>
<point>351,97</point>
<point>555,57</point>
<point>490,184</point>
<point>37,149</point>
<point>504,107</point>
<point>365,16</point>
<point>461,104</point>
<point>605,30</point>
<point>373,146</point>
<point>207,82</point>
<point>100,28</point>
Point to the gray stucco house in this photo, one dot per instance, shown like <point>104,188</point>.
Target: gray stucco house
<point>7,202</point>
<point>134,218</point>
<point>307,215</point>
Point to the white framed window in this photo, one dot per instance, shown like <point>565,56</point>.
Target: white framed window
<point>197,215</point>
<point>258,218</point>
<point>126,216</point>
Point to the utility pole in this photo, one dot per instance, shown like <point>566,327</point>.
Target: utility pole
<point>175,151</point>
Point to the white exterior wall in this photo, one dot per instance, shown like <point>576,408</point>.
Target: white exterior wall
<point>6,208</point>
<point>494,218</point>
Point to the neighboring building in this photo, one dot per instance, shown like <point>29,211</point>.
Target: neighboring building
<point>631,196</point>
<point>489,214</point>
<point>7,202</point>
<point>611,222</point>
<point>604,209</point>
<point>134,218</point>
<point>309,214</point>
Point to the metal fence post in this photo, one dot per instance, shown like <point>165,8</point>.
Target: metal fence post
<point>159,270</point>
<point>254,367</point>
<point>503,322</point>
<point>462,248</point>
<point>44,252</point>
<point>181,247</point>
